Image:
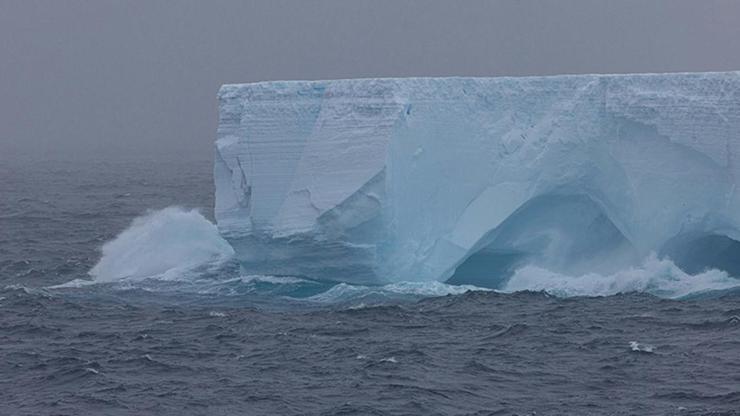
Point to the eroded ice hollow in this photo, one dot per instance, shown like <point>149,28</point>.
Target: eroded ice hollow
<point>466,179</point>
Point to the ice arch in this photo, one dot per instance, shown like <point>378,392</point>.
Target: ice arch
<point>561,232</point>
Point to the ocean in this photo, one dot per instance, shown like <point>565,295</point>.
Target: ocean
<point>186,332</point>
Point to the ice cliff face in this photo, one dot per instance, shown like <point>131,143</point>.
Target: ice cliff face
<point>466,179</point>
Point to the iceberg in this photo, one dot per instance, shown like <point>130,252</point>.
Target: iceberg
<point>466,180</point>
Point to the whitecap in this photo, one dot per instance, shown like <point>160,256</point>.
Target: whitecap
<point>345,292</point>
<point>660,277</point>
<point>637,347</point>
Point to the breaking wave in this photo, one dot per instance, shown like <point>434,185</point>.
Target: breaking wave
<point>659,277</point>
<point>162,244</point>
<point>344,292</point>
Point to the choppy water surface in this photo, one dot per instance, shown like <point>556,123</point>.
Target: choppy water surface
<point>170,325</point>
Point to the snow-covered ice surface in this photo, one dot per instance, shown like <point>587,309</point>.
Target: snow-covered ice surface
<point>467,180</point>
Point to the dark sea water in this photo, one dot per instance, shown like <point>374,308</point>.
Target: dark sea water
<point>208,339</point>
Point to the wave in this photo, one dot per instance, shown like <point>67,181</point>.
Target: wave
<point>162,244</point>
<point>659,277</point>
<point>344,292</point>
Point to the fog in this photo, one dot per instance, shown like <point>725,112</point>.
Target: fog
<point>138,79</point>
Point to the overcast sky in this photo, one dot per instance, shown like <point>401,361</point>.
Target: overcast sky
<point>138,79</point>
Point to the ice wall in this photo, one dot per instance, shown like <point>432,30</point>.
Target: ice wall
<point>378,180</point>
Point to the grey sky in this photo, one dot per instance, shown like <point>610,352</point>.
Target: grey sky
<point>109,79</point>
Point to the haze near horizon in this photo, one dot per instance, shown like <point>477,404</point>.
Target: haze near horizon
<point>118,80</point>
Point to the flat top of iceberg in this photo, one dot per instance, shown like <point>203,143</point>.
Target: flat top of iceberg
<point>393,80</point>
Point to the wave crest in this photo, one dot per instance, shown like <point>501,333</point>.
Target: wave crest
<point>162,244</point>
<point>660,277</point>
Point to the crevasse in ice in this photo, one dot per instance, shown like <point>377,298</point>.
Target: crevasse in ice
<point>468,179</point>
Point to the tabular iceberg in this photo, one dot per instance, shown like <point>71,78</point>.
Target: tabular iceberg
<point>467,179</point>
